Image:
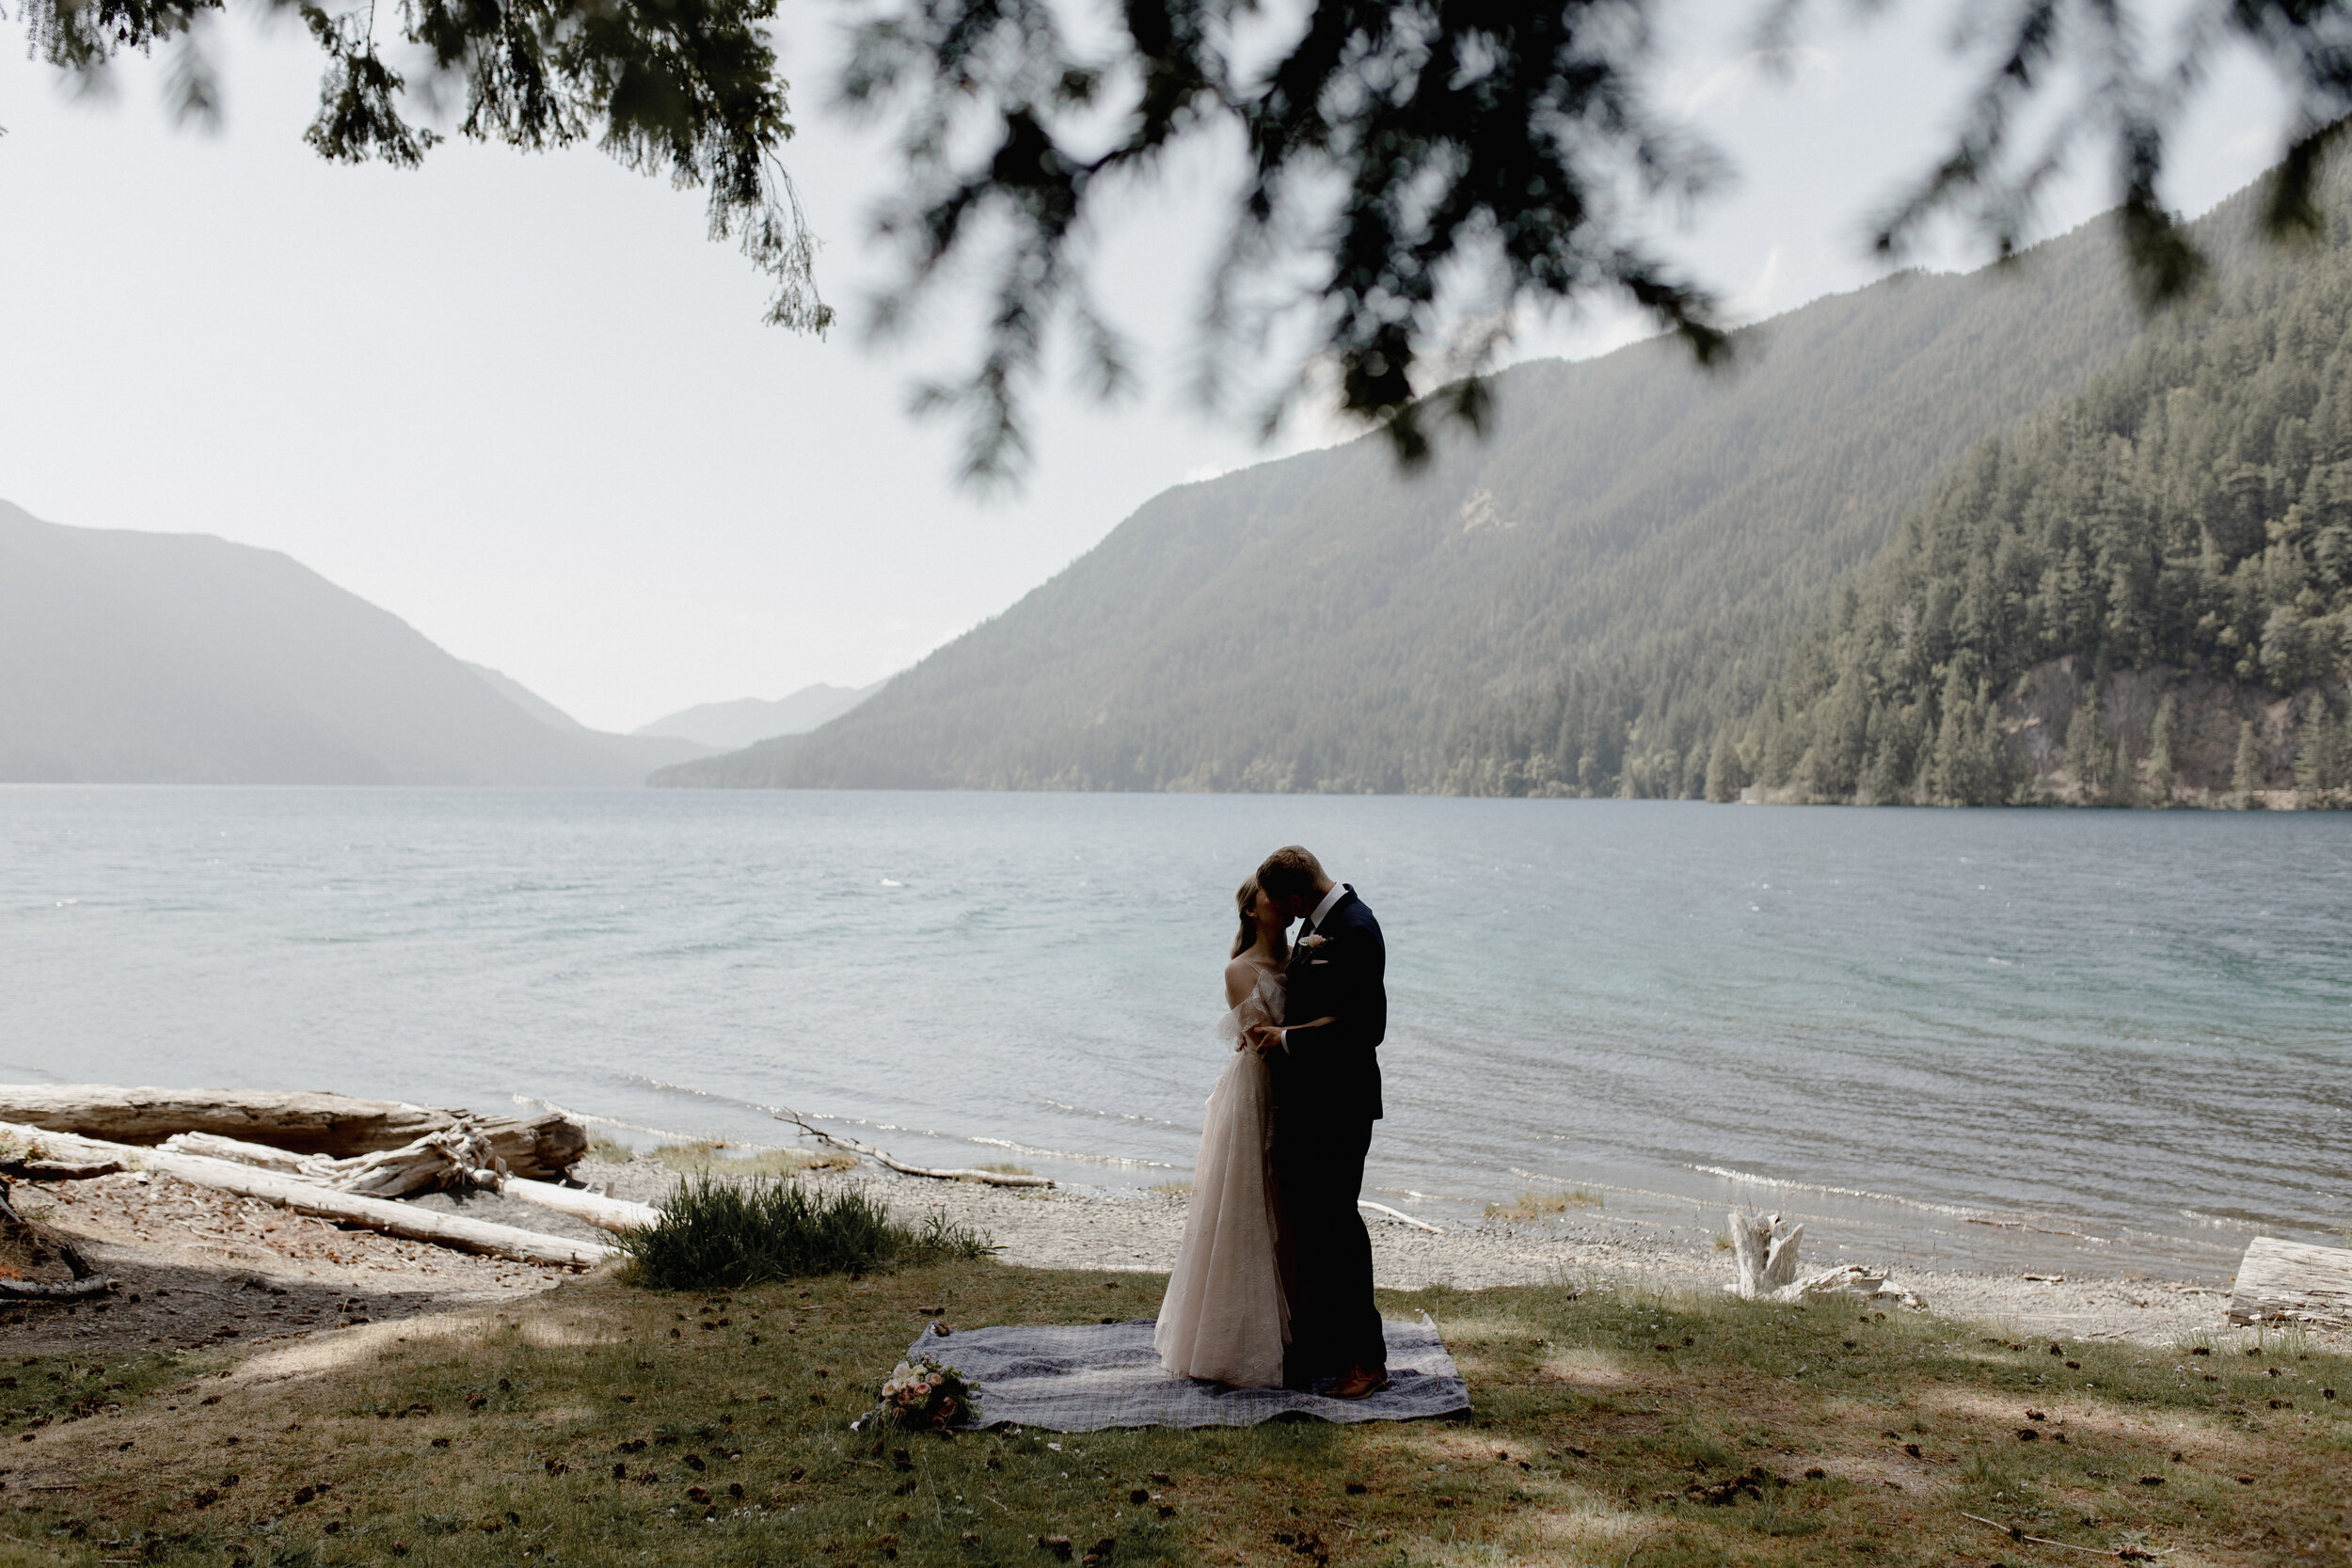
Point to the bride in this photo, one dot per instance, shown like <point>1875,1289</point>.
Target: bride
<point>1224,1317</point>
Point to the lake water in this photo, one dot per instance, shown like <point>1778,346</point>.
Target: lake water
<point>2114,1040</point>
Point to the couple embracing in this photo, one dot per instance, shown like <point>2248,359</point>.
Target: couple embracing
<point>1273,1281</point>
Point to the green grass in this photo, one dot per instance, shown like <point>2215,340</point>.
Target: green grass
<point>717,1235</point>
<point>1613,1429</point>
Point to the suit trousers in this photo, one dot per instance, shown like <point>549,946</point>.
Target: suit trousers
<point>1319,1166</point>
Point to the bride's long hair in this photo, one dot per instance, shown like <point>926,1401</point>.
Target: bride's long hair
<point>1246,899</point>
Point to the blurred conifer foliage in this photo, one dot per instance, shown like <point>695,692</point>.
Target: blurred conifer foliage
<point>1418,173</point>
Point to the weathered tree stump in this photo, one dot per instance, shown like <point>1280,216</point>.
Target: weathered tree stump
<point>1765,1250</point>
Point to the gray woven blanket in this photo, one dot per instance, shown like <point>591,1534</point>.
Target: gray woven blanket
<point>1086,1377</point>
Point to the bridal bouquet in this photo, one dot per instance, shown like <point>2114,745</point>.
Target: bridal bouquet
<point>928,1396</point>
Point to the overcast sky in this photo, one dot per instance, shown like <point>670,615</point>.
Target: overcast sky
<point>522,403</point>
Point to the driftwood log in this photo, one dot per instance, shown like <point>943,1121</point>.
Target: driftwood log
<point>429,1163</point>
<point>58,1170</point>
<point>612,1213</point>
<point>988,1177</point>
<point>305,1196</point>
<point>457,1160</point>
<point>300,1122</point>
<point>2293,1281</point>
<point>269,1180</point>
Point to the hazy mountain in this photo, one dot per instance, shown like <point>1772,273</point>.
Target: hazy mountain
<point>1326,623</point>
<point>729,726</point>
<point>132,657</point>
<point>523,697</point>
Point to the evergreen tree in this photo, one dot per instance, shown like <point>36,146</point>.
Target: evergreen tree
<point>2090,754</point>
<point>1971,767</point>
<point>2319,761</point>
<point>1724,778</point>
<point>2160,741</point>
<point>2247,776</point>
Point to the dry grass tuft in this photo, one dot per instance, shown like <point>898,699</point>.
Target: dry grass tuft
<point>725,1160</point>
<point>1537,1206</point>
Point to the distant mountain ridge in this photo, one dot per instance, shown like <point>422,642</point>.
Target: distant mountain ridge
<point>523,697</point>
<point>136,658</point>
<point>730,726</point>
<point>1322,622</point>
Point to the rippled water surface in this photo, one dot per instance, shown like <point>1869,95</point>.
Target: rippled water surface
<point>1970,1035</point>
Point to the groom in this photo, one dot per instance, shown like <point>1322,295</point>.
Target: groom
<point>1326,1079</point>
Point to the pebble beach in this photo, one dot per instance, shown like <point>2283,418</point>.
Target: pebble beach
<point>201,1269</point>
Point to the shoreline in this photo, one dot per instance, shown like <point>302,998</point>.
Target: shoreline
<point>204,1270</point>
<point>1131,1231</point>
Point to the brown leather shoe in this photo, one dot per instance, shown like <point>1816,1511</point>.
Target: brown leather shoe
<point>1357,1382</point>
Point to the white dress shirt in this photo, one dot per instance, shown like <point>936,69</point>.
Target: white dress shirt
<point>1314,921</point>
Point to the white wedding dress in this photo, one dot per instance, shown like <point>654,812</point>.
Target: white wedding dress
<point>1224,1317</point>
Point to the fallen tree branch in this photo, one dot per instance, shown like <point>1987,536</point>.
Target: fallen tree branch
<point>34,1289</point>
<point>397,1219</point>
<point>2128,1553</point>
<point>1407,1219</point>
<point>990,1178</point>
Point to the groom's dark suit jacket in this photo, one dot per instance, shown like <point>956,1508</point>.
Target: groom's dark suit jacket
<point>1335,1071</point>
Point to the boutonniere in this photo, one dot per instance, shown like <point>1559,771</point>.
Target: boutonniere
<point>1315,942</point>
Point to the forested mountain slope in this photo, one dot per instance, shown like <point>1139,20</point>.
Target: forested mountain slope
<point>1325,623</point>
<point>133,658</point>
<point>2142,595</point>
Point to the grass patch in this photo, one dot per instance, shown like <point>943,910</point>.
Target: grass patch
<point>715,1235</point>
<point>1535,1206</point>
<point>611,1151</point>
<point>1171,1189</point>
<point>597,1423</point>
<point>725,1159</point>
